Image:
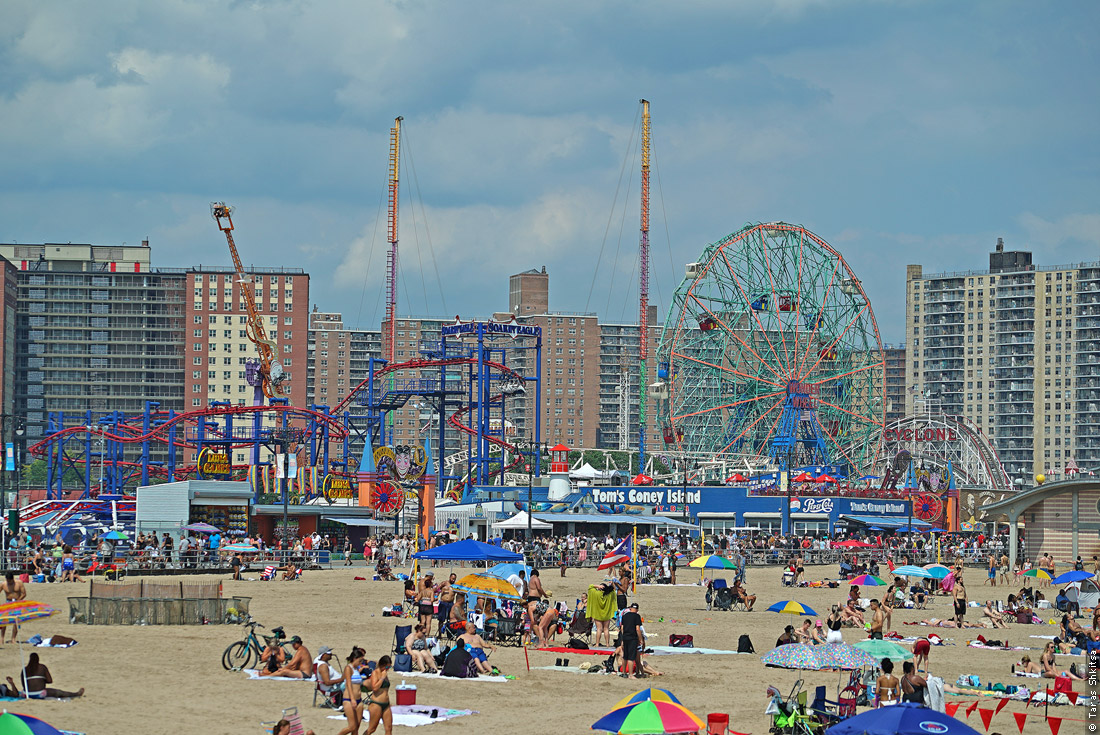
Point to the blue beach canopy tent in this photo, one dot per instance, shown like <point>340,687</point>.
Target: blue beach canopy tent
<point>468,550</point>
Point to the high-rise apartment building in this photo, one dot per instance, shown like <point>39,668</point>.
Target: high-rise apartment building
<point>216,347</point>
<point>894,359</point>
<point>96,329</point>
<point>337,357</point>
<point>618,399</point>
<point>1014,349</point>
<point>9,305</point>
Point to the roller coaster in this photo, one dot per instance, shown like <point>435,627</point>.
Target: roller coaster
<point>91,455</point>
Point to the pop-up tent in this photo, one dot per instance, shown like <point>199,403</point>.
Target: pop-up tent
<point>519,522</point>
<point>468,550</point>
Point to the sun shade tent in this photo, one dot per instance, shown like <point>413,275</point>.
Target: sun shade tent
<point>468,550</point>
<point>360,522</point>
<point>519,521</point>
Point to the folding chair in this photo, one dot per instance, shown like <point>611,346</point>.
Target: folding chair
<point>718,723</point>
<point>400,633</point>
<point>330,697</point>
<point>267,574</point>
<point>290,715</point>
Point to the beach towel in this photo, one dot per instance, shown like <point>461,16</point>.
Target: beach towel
<point>1030,676</point>
<point>601,605</point>
<point>976,644</point>
<point>437,677</point>
<point>934,696</point>
<point>415,715</point>
<point>255,674</point>
<point>62,642</point>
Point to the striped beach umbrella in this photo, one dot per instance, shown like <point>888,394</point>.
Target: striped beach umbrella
<point>792,608</point>
<point>655,695</point>
<point>867,580</point>
<point>16,724</point>
<point>911,570</point>
<point>650,717</point>
<point>486,585</point>
<point>712,561</point>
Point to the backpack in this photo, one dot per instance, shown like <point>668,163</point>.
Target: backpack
<point>744,645</point>
<point>577,644</point>
<point>609,664</point>
<point>680,640</point>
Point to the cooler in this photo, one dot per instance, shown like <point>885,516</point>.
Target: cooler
<point>406,694</point>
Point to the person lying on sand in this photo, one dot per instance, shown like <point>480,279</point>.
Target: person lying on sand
<point>938,623</point>
<point>1027,666</point>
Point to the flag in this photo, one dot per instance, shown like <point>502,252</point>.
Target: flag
<point>616,556</point>
<point>1055,724</point>
<point>1021,717</point>
<point>953,707</point>
<point>987,716</point>
<point>1001,705</point>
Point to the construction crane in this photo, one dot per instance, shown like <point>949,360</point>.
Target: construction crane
<point>268,376</point>
<point>643,292</point>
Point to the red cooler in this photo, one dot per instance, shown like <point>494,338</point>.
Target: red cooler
<point>406,694</point>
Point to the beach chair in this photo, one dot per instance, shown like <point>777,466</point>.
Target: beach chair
<point>510,630</point>
<point>330,697</point>
<point>400,633</point>
<point>579,626</point>
<point>290,715</point>
<point>718,723</point>
<point>268,573</point>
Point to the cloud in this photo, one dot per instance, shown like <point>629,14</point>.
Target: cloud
<point>1063,233</point>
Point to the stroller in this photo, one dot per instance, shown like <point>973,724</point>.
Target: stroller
<point>722,595</point>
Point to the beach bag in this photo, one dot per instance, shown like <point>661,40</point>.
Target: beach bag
<point>577,644</point>
<point>744,645</point>
<point>1023,616</point>
<point>402,662</point>
<point>681,640</point>
<point>457,664</point>
<point>609,664</point>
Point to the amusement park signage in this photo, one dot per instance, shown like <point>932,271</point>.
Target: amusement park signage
<point>334,487</point>
<point>877,508</point>
<point>523,330</point>
<point>647,497</point>
<point>214,465</point>
<point>811,505</point>
<point>926,434</point>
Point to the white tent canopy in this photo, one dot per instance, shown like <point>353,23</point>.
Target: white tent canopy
<point>519,521</point>
<point>588,472</point>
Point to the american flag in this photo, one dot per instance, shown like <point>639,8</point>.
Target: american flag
<point>618,555</point>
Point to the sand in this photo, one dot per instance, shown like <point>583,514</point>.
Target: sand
<point>169,679</point>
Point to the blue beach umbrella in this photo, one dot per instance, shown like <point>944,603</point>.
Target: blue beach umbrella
<point>1072,576</point>
<point>906,718</point>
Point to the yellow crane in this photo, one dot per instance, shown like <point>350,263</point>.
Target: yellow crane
<point>269,375</point>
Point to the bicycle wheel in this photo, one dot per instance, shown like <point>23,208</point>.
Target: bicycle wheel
<point>237,656</point>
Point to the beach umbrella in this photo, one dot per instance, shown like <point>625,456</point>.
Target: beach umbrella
<point>737,477</point>
<point>650,717</point>
<point>507,569</point>
<point>792,608</point>
<point>1037,573</point>
<point>115,536</point>
<point>16,724</point>
<point>868,580</point>
<point>1073,576</point>
<point>201,528</point>
<point>649,542</point>
<point>938,571</point>
<point>655,695</point>
<point>19,612</point>
<point>803,477</point>
<point>906,718</point>
<point>712,561</point>
<point>825,478</point>
<point>843,656</point>
<point>884,649</point>
<point>240,549</point>
<point>792,656</point>
<point>911,570</point>
<point>481,584</point>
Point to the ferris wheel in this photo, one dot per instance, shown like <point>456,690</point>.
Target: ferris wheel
<point>771,349</point>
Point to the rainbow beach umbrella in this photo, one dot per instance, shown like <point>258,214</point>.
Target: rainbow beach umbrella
<point>15,724</point>
<point>486,585</point>
<point>792,608</point>
<point>650,717</point>
<point>18,612</point>
<point>712,561</point>
<point>867,580</point>
<point>1037,573</point>
<point>645,695</point>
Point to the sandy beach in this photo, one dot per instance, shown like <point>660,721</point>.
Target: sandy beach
<point>169,679</point>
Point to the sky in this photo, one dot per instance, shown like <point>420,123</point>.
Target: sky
<point>899,132</point>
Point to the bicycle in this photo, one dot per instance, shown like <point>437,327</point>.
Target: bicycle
<point>241,654</point>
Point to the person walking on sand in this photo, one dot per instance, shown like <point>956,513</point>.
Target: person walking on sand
<point>14,591</point>
<point>992,581</point>
<point>378,701</point>
<point>958,594</point>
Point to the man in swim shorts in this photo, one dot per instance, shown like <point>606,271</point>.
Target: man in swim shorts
<point>475,646</point>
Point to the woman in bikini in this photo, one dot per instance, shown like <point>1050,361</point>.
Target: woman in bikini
<point>1050,668</point>
<point>38,676</point>
<point>353,698</point>
<point>887,686</point>
<point>378,702</point>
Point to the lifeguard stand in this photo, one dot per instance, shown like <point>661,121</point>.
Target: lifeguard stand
<point>559,473</point>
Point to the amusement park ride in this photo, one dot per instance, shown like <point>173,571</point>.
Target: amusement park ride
<point>770,357</point>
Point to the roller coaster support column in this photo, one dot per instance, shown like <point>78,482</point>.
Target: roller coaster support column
<point>171,448</point>
<point>87,455</point>
<point>146,426</point>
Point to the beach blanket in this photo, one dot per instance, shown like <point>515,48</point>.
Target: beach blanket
<point>63,642</point>
<point>437,677</point>
<point>1030,676</point>
<point>415,715</point>
<point>654,650</point>
<point>255,674</point>
<point>580,651</point>
<point>976,644</point>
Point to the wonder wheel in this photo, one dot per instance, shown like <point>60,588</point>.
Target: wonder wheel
<point>771,349</point>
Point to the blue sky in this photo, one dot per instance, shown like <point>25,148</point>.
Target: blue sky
<point>899,132</point>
